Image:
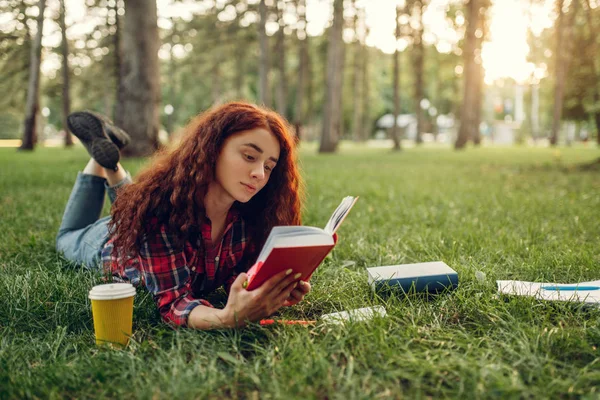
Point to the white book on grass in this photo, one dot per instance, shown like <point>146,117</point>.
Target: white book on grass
<point>582,292</point>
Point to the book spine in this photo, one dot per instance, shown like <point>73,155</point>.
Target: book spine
<point>431,284</point>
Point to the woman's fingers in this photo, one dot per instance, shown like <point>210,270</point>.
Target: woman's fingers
<point>297,295</point>
<point>304,287</point>
<point>294,298</point>
<point>239,281</point>
<point>284,283</point>
<point>285,293</point>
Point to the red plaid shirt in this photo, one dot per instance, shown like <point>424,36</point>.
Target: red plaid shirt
<point>179,277</point>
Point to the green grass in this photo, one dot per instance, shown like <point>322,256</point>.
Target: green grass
<point>512,213</point>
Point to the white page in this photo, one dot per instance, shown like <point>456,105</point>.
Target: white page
<point>339,214</point>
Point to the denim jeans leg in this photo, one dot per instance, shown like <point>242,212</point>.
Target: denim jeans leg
<point>84,246</point>
<point>113,190</point>
<point>82,234</point>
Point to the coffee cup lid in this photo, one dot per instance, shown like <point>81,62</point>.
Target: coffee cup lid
<point>112,291</point>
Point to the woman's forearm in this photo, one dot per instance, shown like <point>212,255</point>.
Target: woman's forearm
<point>204,318</point>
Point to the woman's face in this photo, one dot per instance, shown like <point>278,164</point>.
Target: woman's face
<point>246,162</point>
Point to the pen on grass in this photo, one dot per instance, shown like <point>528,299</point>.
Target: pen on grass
<point>286,322</point>
<point>571,288</point>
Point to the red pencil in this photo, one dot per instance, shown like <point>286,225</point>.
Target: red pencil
<point>286,322</point>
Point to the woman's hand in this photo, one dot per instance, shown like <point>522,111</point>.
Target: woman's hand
<point>298,293</point>
<point>243,305</point>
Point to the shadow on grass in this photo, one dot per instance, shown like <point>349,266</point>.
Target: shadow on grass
<point>594,166</point>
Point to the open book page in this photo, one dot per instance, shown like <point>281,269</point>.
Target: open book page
<point>294,236</point>
<point>584,292</point>
<point>339,214</point>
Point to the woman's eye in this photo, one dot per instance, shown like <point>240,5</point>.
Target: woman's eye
<point>268,168</point>
<point>249,157</point>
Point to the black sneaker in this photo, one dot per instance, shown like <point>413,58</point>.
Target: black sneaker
<point>116,134</point>
<point>90,131</point>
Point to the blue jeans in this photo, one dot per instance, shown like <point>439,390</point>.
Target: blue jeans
<point>82,233</point>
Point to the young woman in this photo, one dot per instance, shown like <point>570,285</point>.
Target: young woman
<point>195,219</point>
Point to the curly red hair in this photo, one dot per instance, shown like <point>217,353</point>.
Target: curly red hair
<point>165,192</point>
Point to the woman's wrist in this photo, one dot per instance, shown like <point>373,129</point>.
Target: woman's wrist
<point>226,317</point>
<point>204,318</point>
<point>231,318</point>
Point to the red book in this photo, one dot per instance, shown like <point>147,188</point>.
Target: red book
<point>301,248</point>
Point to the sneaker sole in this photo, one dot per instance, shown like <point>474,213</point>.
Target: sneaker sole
<point>91,134</point>
<point>106,153</point>
<point>116,134</point>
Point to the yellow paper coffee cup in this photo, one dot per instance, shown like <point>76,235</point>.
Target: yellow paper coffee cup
<point>112,310</point>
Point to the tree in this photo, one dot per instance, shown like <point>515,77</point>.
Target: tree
<point>563,34</point>
<point>595,60</point>
<point>263,65</point>
<point>396,83</point>
<point>66,97</point>
<point>281,88</point>
<point>366,92</point>
<point>478,72</point>
<point>299,113</point>
<point>418,56</point>
<point>117,50</point>
<point>137,111</point>
<point>358,99</point>
<point>469,113</point>
<point>33,90</point>
<point>332,110</point>
<point>15,62</point>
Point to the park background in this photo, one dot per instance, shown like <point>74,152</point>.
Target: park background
<point>492,166</point>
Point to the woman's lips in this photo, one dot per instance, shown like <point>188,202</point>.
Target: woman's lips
<point>249,188</point>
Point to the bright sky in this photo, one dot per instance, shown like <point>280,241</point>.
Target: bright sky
<point>504,55</point>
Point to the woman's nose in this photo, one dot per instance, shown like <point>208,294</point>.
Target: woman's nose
<point>258,172</point>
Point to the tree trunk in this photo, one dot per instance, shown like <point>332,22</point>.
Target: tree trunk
<point>596,68</point>
<point>564,30</point>
<point>310,87</point>
<point>171,79</point>
<point>281,88</point>
<point>302,68</point>
<point>357,98</point>
<point>263,66</point>
<point>467,113</point>
<point>118,54</point>
<point>418,58</point>
<point>366,92</point>
<point>396,84</point>
<point>332,110</point>
<point>559,74</point>
<point>66,98</point>
<point>137,112</point>
<point>535,108</point>
<point>597,120</point>
<point>434,91</point>
<point>478,78</point>
<point>32,106</point>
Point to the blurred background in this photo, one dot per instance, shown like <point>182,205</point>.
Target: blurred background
<point>389,73</point>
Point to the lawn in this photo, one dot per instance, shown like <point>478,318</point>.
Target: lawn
<point>511,213</point>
